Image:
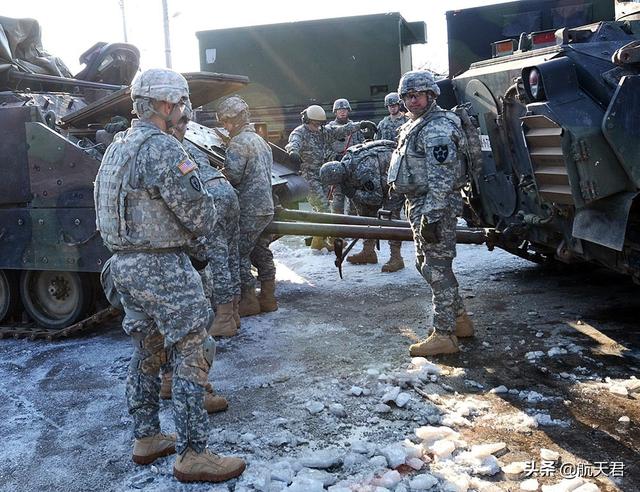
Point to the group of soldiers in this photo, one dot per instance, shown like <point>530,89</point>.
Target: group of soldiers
<point>185,235</point>
<point>416,161</point>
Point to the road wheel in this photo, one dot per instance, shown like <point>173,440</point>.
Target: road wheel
<point>8,293</point>
<point>55,299</point>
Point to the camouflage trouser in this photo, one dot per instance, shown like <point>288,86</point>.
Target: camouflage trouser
<point>166,312</point>
<point>254,250</point>
<point>317,197</point>
<point>221,278</point>
<point>434,262</point>
<point>394,205</point>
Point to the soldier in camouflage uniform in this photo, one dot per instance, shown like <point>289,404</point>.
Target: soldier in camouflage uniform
<point>221,277</point>
<point>427,167</point>
<point>389,125</point>
<point>248,166</point>
<point>311,145</point>
<point>341,109</point>
<point>362,174</point>
<point>150,207</point>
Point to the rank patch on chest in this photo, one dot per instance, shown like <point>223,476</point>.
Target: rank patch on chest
<point>440,152</point>
<point>186,166</point>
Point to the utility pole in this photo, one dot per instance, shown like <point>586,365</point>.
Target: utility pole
<point>167,38</point>
<point>124,20</point>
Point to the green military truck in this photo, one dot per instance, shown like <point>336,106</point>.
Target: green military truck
<point>295,64</point>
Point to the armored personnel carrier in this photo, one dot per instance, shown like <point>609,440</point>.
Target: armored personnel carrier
<point>52,124</point>
<point>556,168</point>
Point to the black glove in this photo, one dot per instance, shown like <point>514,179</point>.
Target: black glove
<point>295,157</point>
<point>430,232</point>
<point>198,264</point>
<point>368,126</point>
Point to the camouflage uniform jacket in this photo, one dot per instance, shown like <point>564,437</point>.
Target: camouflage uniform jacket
<point>248,168</point>
<point>388,127</point>
<point>366,173</point>
<point>316,148</point>
<point>341,145</point>
<point>439,140</point>
<point>162,186</point>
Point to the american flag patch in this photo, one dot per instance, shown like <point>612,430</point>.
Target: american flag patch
<point>186,166</point>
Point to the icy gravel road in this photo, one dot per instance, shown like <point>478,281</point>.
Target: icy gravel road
<point>324,396</point>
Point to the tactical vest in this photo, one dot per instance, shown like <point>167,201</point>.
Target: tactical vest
<point>131,218</point>
<point>408,171</point>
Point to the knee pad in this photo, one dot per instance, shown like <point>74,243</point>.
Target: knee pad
<point>194,355</point>
<point>149,353</point>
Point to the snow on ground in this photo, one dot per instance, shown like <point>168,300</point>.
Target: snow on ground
<point>323,395</point>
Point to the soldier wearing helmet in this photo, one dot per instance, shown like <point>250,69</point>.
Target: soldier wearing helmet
<point>362,174</point>
<point>388,126</point>
<point>427,168</point>
<point>151,207</point>
<point>341,109</point>
<point>310,145</point>
<point>221,277</point>
<point>248,166</point>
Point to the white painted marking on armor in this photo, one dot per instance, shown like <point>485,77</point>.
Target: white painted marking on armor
<point>485,143</point>
<point>210,54</point>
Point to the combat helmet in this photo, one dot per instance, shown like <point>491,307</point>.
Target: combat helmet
<point>391,99</point>
<point>332,173</point>
<point>418,81</point>
<point>160,84</point>
<point>341,104</point>
<point>314,113</point>
<point>232,107</point>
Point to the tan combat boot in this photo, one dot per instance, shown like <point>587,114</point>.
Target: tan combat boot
<point>464,326</point>
<point>267,297</point>
<point>317,243</point>
<point>367,255</point>
<point>249,304</point>
<point>236,315</point>
<point>165,385</point>
<point>328,243</point>
<point>223,324</point>
<point>214,403</point>
<point>148,449</point>
<point>206,467</point>
<point>396,262</point>
<point>436,344</point>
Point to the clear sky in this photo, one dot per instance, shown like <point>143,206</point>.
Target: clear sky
<point>69,27</point>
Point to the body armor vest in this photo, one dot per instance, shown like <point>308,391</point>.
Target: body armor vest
<point>131,218</point>
<point>408,171</point>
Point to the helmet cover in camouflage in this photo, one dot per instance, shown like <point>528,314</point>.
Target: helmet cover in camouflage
<point>314,113</point>
<point>418,81</point>
<point>232,107</point>
<point>332,173</point>
<point>160,84</point>
<point>391,99</point>
<point>341,104</point>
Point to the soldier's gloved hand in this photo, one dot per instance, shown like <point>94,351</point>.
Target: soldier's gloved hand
<point>117,124</point>
<point>368,126</point>
<point>430,232</point>
<point>295,157</point>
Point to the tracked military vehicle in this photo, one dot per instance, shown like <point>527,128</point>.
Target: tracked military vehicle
<point>53,137</point>
<point>556,168</point>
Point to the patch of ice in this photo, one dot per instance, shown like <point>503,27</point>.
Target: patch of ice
<point>498,390</point>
